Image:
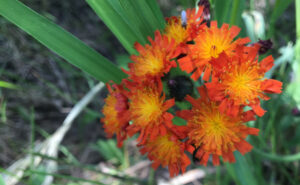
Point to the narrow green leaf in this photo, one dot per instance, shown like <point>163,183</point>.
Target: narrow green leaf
<point>8,85</point>
<point>131,21</point>
<point>222,11</point>
<point>157,12</point>
<point>112,15</point>
<point>149,17</point>
<point>135,18</point>
<point>243,171</point>
<point>1,180</point>
<point>279,7</point>
<point>298,19</point>
<point>60,41</point>
<point>179,121</point>
<point>72,178</point>
<point>234,12</point>
<point>278,158</point>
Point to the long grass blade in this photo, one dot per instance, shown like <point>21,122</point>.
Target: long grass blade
<point>131,21</point>
<point>8,85</point>
<point>1,180</point>
<point>60,41</point>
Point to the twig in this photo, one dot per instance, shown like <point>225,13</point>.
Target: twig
<point>50,146</point>
<point>187,177</point>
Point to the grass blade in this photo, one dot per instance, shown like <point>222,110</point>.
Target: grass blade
<point>1,180</point>
<point>131,21</point>
<point>60,41</point>
<point>112,14</point>
<point>157,12</point>
<point>242,170</point>
<point>8,85</point>
<point>279,7</point>
<point>222,11</point>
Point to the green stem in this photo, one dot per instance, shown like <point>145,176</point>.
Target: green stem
<point>65,177</point>
<point>298,19</point>
<point>278,158</point>
<point>32,125</point>
<point>234,12</point>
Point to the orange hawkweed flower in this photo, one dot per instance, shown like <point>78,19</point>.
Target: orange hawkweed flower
<point>239,80</point>
<point>215,133</point>
<point>167,150</point>
<point>148,109</point>
<point>186,27</point>
<point>154,60</point>
<point>209,44</point>
<point>115,119</point>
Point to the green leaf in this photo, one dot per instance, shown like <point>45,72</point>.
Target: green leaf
<point>109,150</point>
<point>157,12</point>
<point>279,7</point>
<point>222,11</point>
<point>8,85</point>
<point>228,11</point>
<point>131,21</point>
<point>37,178</point>
<point>60,41</point>
<point>67,177</point>
<point>1,180</point>
<point>242,170</point>
<point>113,15</point>
<point>179,121</point>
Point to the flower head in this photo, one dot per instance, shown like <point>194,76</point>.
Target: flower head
<point>239,80</point>
<point>185,28</point>
<point>154,60</point>
<point>167,150</point>
<point>215,133</point>
<point>148,109</point>
<point>209,44</point>
<point>115,118</point>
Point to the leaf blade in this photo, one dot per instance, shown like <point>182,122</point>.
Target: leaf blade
<point>60,41</point>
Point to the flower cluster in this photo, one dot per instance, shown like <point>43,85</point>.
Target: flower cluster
<point>229,76</point>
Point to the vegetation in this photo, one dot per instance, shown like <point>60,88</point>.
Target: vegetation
<point>50,110</point>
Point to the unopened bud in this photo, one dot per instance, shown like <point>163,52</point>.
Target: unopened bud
<point>265,45</point>
<point>206,10</point>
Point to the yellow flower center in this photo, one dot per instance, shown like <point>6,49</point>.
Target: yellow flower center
<point>212,42</point>
<point>213,129</point>
<point>214,52</point>
<point>243,83</point>
<point>146,107</point>
<point>176,31</point>
<point>165,150</point>
<point>215,124</point>
<point>152,63</point>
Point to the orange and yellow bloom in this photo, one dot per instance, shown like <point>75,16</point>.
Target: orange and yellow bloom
<point>216,122</point>
<point>148,110</point>
<point>209,44</point>
<point>167,150</point>
<point>185,28</point>
<point>239,80</point>
<point>115,119</point>
<point>154,60</point>
<point>215,133</point>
